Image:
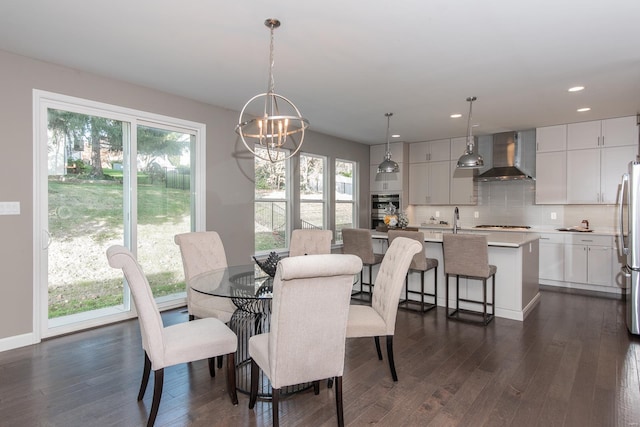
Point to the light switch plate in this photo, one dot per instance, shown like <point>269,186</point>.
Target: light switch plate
<point>9,208</point>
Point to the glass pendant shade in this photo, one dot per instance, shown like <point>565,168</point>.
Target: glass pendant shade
<point>470,159</point>
<point>388,165</point>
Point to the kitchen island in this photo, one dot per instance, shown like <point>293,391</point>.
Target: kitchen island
<point>516,255</point>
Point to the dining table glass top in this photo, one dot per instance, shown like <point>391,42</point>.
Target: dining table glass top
<point>238,281</point>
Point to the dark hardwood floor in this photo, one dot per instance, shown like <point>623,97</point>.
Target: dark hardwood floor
<point>570,363</point>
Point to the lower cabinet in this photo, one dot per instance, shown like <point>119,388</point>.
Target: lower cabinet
<point>551,257</point>
<point>590,260</point>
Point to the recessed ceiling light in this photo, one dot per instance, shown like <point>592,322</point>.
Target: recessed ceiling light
<point>456,116</point>
<point>582,110</point>
<point>576,88</point>
<point>395,136</point>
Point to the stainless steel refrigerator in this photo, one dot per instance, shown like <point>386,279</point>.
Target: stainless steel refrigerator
<point>629,242</point>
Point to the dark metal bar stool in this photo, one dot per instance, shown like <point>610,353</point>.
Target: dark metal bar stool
<point>421,264</point>
<point>467,255</point>
<point>357,241</point>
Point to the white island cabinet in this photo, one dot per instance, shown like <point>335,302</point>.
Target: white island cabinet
<point>516,257</point>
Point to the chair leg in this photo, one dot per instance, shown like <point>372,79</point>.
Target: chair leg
<point>145,376</point>
<point>421,290</point>
<point>392,365</point>
<point>219,358</point>
<point>212,366</point>
<point>316,387</point>
<point>377,340</point>
<point>484,300</point>
<point>157,394</point>
<point>330,382</point>
<point>446,293</point>
<point>275,398</point>
<point>231,378</point>
<point>339,409</point>
<point>253,396</point>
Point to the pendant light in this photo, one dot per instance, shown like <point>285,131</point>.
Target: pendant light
<point>280,127</point>
<point>388,165</point>
<point>470,160</point>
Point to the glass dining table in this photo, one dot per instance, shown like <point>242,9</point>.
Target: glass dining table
<point>251,291</point>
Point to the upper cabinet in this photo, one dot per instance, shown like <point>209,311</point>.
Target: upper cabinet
<point>429,151</point>
<point>589,170</point>
<point>551,138</point>
<point>621,131</point>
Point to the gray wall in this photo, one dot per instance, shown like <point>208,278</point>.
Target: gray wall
<point>230,186</point>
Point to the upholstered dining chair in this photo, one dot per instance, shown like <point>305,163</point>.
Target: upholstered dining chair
<point>379,319</point>
<point>310,242</point>
<point>168,346</point>
<point>309,314</point>
<point>467,255</point>
<point>203,251</point>
<point>357,241</point>
<point>421,264</point>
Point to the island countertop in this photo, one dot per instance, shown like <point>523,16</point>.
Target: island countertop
<point>505,240</point>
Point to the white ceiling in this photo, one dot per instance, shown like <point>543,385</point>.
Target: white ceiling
<point>346,63</point>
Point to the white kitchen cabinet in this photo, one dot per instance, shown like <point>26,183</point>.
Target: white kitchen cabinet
<point>462,187</point>
<point>552,257</point>
<point>615,132</point>
<point>429,151</point>
<point>593,175</point>
<point>551,138</point>
<point>551,178</point>
<point>590,260</point>
<point>429,183</point>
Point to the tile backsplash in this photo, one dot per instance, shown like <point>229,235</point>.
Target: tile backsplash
<point>513,203</point>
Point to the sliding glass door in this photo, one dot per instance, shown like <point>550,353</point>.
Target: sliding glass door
<point>112,177</point>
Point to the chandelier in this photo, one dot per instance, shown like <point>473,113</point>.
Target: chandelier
<point>278,133</point>
<point>388,165</point>
<point>470,160</point>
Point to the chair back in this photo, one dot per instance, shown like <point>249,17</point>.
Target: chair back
<point>419,261</point>
<point>201,251</point>
<point>466,255</point>
<point>151,325</point>
<point>310,242</point>
<point>357,241</point>
<point>310,307</point>
<point>390,279</point>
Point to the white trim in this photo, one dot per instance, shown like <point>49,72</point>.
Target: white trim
<point>18,341</point>
<point>42,100</point>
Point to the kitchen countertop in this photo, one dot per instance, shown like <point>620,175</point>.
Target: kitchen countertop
<point>546,230</point>
<point>507,240</point>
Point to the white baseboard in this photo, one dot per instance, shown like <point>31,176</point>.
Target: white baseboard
<point>17,341</point>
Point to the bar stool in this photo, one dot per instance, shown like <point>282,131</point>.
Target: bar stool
<point>357,241</point>
<point>422,264</point>
<point>467,255</point>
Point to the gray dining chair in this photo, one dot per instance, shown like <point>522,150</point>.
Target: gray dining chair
<point>421,264</point>
<point>309,314</point>
<point>172,345</point>
<point>358,241</point>
<point>379,319</point>
<point>467,255</point>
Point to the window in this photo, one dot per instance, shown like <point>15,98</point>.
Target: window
<point>313,199</point>
<point>345,209</point>
<point>271,206</point>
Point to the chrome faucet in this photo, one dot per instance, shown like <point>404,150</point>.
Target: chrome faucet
<point>456,218</point>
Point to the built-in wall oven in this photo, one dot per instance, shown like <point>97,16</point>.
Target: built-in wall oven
<point>380,202</point>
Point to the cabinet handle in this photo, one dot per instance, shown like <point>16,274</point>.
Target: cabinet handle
<point>603,140</point>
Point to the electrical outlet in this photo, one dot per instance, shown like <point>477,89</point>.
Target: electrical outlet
<point>437,214</point>
<point>476,214</point>
<point>553,215</point>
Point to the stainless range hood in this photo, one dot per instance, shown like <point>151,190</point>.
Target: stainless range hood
<point>514,157</point>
